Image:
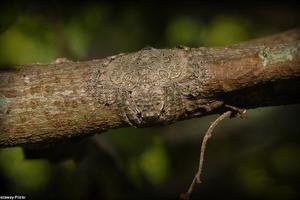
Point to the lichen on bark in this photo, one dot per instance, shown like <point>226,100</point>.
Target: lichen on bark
<point>279,54</point>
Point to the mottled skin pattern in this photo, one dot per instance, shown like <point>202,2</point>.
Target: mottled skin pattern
<point>149,86</point>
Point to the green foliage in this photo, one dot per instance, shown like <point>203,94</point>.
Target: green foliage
<point>284,160</point>
<point>29,40</point>
<point>145,155</point>
<point>28,175</point>
<point>77,39</point>
<point>185,31</point>
<point>154,162</point>
<point>225,30</point>
<point>254,177</point>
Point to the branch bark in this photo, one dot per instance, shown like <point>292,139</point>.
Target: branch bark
<point>44,103</point>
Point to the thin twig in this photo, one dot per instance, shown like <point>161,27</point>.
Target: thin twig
<point>208,134</point>
<point>237,112</point>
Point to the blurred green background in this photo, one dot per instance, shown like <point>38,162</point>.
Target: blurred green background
<point>256,158</point>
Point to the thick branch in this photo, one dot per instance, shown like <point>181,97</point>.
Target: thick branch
<point>65,99</point>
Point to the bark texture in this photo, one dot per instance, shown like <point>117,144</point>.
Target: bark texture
<point>44,103</point>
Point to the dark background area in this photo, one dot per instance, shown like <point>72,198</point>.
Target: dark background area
<point>255,158</point>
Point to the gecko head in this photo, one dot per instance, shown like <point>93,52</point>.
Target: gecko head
<point>144,105</point>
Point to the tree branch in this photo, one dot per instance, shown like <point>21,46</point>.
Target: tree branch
<point>43,103</point>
